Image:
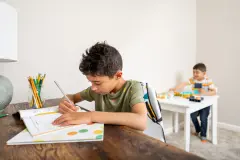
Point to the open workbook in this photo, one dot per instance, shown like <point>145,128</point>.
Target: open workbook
<point>39,121</point>
<point>40,129</point>
<point>77,133</point>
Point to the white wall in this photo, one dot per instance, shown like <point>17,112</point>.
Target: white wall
<point>218,32</point>
<point>156,38</point>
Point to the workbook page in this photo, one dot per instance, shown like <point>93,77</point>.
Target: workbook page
<point>42,124</point>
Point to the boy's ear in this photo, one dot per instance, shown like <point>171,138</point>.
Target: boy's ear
<point>119,74</point>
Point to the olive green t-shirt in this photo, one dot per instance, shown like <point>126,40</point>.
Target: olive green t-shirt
<point>123,100</point>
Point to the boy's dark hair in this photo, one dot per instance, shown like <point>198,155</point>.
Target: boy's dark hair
<point>201,67</point>
<point>101,60</point>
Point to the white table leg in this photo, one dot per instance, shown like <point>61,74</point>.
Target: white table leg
<point>176,127</point>
<point>187,130</point>
<point>214,122</point>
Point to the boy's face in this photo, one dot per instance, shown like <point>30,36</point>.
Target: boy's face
<point>103,84</point>
<point>198,75</point>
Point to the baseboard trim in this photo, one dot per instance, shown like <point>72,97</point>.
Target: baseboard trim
<point>170,129</point>
<point>229,126</point>
<point>222,125</point>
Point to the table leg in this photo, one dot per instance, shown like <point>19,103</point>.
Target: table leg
<point>176,122</point>
<point>214,122</point>
<point>187,131</point>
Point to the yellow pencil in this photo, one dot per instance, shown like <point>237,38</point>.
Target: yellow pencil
<point>34,96</point>
<point>37,96</point>
<point>34,92</point>
<point>34,89</point>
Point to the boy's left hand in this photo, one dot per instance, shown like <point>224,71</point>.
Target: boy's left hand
<point>73,118</point>
<point>202,91</point>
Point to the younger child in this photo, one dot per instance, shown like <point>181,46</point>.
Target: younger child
<point>208,89</point>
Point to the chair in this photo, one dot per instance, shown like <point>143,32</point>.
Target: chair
<point>153,107</point>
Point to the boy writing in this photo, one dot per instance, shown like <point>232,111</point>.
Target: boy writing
<point>208,89</point>
<point>117,101</point>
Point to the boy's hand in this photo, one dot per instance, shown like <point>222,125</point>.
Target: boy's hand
<point>202,91</point>
<point>66,107</point>
<point>211,92</point>
<point>73,118</point>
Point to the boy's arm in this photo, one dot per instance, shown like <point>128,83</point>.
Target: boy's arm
<point>180,86</point>
<point>211,92</point>
<point>137,119</point>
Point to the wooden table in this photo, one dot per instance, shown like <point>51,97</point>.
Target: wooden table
<point>119,143</point>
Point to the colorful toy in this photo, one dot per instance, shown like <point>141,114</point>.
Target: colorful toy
<point>165,95</point>
<point>196,88</point>
<point>177,94</point>
<point>195,98</point>
<point>198,85</point>
<point>185,94</point>
<point>195,91</point>
<point>162,96</point>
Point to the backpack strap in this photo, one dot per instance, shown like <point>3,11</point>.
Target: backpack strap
<point>153,105</point>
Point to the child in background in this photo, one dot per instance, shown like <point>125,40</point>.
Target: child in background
<point>208,89</point>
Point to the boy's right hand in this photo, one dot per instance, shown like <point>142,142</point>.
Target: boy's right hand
<point>66,107</point>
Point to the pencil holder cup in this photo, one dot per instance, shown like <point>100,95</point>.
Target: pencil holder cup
<point>33,99</point>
